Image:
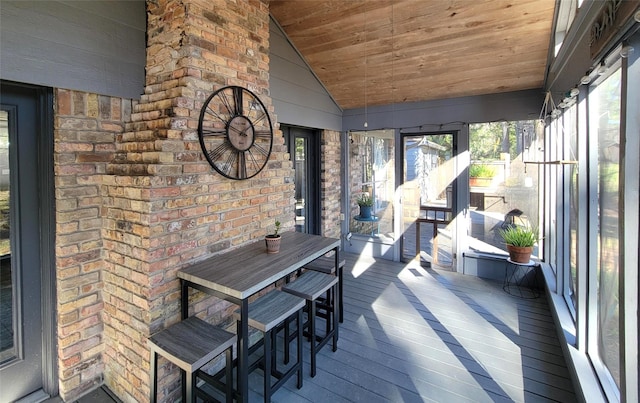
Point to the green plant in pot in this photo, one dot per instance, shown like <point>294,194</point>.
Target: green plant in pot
<point>366,204</point>
<point>520,241</point>
<point>481,175</point>
<point>273,240</point>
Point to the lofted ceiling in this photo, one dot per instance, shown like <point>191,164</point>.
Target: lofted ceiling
<point>377,52</point>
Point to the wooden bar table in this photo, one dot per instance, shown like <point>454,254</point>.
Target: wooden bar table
<point>240,273</point>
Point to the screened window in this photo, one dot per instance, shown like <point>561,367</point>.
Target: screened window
<point>372,165</point>
<point>570,121</point>
<point>604,130</point>
<point>503,188</point>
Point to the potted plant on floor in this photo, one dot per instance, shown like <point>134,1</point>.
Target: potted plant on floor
<point>520,241</point>
<point>366,204</point>
<point>273,240</point>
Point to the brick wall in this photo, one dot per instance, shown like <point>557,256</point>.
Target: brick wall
<point>330,179</point>
<point>85,129</point>
<point>165,207</point>
<point>136,201</point>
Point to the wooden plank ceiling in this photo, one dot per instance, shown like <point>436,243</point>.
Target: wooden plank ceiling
<point>377,52</point>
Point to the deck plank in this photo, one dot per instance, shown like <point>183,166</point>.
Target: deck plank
<point>412,334</point>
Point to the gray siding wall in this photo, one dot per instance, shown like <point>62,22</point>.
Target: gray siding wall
<point>298,97</point>
<point>430,115</point>
<point>92,46</point>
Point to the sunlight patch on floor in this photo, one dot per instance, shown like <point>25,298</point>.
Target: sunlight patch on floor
<point>468,327</point>
<point>409,331</point>
<point>362,265</point>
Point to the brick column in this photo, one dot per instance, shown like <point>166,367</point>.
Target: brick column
<point>165,206</point>
<point>330,183</point>
<point>85,129</point>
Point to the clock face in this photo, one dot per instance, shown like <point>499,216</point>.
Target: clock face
<point>235,132</point>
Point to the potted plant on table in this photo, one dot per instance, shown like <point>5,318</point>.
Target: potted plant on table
<point>366,204</point>
<point>273,240</point>
<point>520,241</point>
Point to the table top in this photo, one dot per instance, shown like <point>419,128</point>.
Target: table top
<point>248,269</point>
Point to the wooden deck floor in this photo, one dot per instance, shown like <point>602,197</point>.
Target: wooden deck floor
<point>413,334</point>
<point>419,335</point>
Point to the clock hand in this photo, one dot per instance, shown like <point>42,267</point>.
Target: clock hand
<point>244,132</point>
<point>241,133</point>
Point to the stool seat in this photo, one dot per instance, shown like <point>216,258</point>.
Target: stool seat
<point>310,285</point>
<point>190,344</point>
<point>327,264</point>
<point>324,264</point>
<point>271,309</point>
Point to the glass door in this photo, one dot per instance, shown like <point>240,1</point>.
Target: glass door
<point>428,198</point>
<point>303,148</point>
<point>7,312</point>
<point>21,329</point>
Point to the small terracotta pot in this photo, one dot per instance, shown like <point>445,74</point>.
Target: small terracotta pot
<point>520,254</point>
<point>273,243</point>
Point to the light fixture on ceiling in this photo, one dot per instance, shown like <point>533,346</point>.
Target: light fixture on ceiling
<point>636,16</point>
<point>602,69</point>
<point>626,51</point>
<point>569,98</point>
<point>586,79</point>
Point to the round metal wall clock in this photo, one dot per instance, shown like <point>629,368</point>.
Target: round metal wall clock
<point>235,132</point>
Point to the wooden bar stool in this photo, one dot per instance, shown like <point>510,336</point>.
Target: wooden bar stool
<point>191,344</point>
<point>311,285</point>
<point>326,264</point>
<point>267,314</point>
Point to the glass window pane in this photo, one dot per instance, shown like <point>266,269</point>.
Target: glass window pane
<point>570,125</point>
<point>372,165</point>
<point>604,115</point>
<point>301,184</point>
<point>429,176</point>
<point>503,189</point>
<point>7,297</point>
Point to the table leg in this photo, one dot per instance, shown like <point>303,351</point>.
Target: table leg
<point>417,238</point>
<point>184,296</point>
<point>340,296</point>
<point>434,251</point>
<point>243,351</point>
